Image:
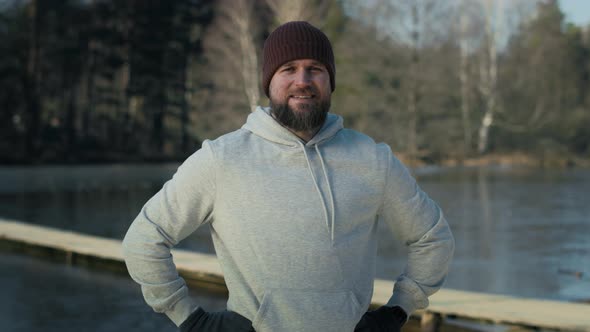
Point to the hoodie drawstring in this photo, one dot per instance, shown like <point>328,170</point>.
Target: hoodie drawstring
<point>329,221</point>
<point>329,189</point>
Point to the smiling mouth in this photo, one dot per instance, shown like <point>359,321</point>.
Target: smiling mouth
<point>302,97</point>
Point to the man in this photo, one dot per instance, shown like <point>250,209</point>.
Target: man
<point>293,200</point>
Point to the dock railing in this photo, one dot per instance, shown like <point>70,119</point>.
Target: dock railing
<point>204,271</point>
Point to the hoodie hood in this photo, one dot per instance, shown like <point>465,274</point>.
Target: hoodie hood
<point>262,124</point>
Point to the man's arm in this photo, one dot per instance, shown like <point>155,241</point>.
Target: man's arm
<point>183,204</point>
<point>419,222</point>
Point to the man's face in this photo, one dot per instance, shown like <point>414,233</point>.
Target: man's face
<point>300,94</point>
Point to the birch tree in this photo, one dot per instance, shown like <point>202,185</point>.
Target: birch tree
<point>468,34</point>
<point>489,71</point>
<point>411,23</point>
<point>411,29</point>
<point>464,79</point>
<point>502,20</point>
<point>299,10</point>
<point>232,42</point>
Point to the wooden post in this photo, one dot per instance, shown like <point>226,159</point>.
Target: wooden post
<point>430,322</point>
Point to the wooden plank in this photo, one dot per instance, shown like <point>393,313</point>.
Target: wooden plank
<point>205,268</point>
<point>500,309</point>
<point>199,268</point>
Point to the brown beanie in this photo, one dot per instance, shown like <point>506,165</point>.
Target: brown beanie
<point>292,41</point>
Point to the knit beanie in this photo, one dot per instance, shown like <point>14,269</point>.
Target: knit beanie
<point>292,41</point>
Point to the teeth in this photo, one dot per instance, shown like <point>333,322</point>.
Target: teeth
<point>302,97</point>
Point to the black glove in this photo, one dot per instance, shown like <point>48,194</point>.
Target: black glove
<point>384,319</point>
<point>221,321</point>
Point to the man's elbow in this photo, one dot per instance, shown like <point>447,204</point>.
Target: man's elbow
<point>132,245</point>
<point>450,243</point>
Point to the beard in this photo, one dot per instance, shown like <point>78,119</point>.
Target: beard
<point>309,117</point>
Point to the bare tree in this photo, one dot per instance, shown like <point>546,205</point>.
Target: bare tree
<point>299,10</point>
<point>189,87</point>
<point>415,86</point>
<point>489,71</point>
<point>232,41</point>
<point>468,35</point>
<point>413,24</point>
<point>464,79</point>
<point>484,28</point>
<point>414,30</point>
<point>502,19</point>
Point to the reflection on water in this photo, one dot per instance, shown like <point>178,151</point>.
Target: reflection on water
<point>518,232</point>
<point>42,296</point>
<point>97,200</point>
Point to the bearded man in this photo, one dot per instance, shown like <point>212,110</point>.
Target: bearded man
<point>293,201</point>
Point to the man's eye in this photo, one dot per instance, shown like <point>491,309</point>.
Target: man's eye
<point>288,69</point>
<point>317,69</point>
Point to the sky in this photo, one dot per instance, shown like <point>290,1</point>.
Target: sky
<point>576,11</point>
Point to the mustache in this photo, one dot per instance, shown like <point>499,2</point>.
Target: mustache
<point>303,91</point>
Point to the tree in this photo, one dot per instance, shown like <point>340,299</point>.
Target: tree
<point>312,11</point>
<point>110,80</point>
<point>413,27</point>
<point>233,47</point>
<point>32,79</point>
<point>13,80</point>
<point>468,34</point>
<point>489,71</point>
<point>544,81</point>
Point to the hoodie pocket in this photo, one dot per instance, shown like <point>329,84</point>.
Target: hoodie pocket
<point>307,310</point>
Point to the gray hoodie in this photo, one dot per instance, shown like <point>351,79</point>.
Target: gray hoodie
<point>294,226</point>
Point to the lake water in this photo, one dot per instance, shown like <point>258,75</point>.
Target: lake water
<point>518,232</point>
<point>38,295</point>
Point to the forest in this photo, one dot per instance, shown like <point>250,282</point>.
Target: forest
<point>442,82</point>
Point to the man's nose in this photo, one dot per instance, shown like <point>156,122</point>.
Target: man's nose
<point>302,78</point>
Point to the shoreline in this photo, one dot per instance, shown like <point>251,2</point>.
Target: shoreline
<point>511,159</point>
<point>508,159</point>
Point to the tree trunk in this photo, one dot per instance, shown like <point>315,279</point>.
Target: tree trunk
<point>32,82</point>
<point>70,121</point>
<point>414,85</point>
<point>489,69</point>
<point>464,79</point>
<point>243,18</point>
<point>484,129</point>
<point>159,110</point>
<point>301,10</point>
<point>186,105</point>
<point>125,131</point>
<point>89,109</point>
<point>68,106</point>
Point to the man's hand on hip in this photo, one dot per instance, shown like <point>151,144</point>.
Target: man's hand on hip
<point>221,321</point>
<point>384,319</point>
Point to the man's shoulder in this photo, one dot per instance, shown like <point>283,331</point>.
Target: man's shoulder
<point>360,146</point>
<point>357,136</point>
<point>232,137</point>
<point>362,140</point>
<point>232,141</point>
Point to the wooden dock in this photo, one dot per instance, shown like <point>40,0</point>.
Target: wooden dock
<point>203,270</point>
